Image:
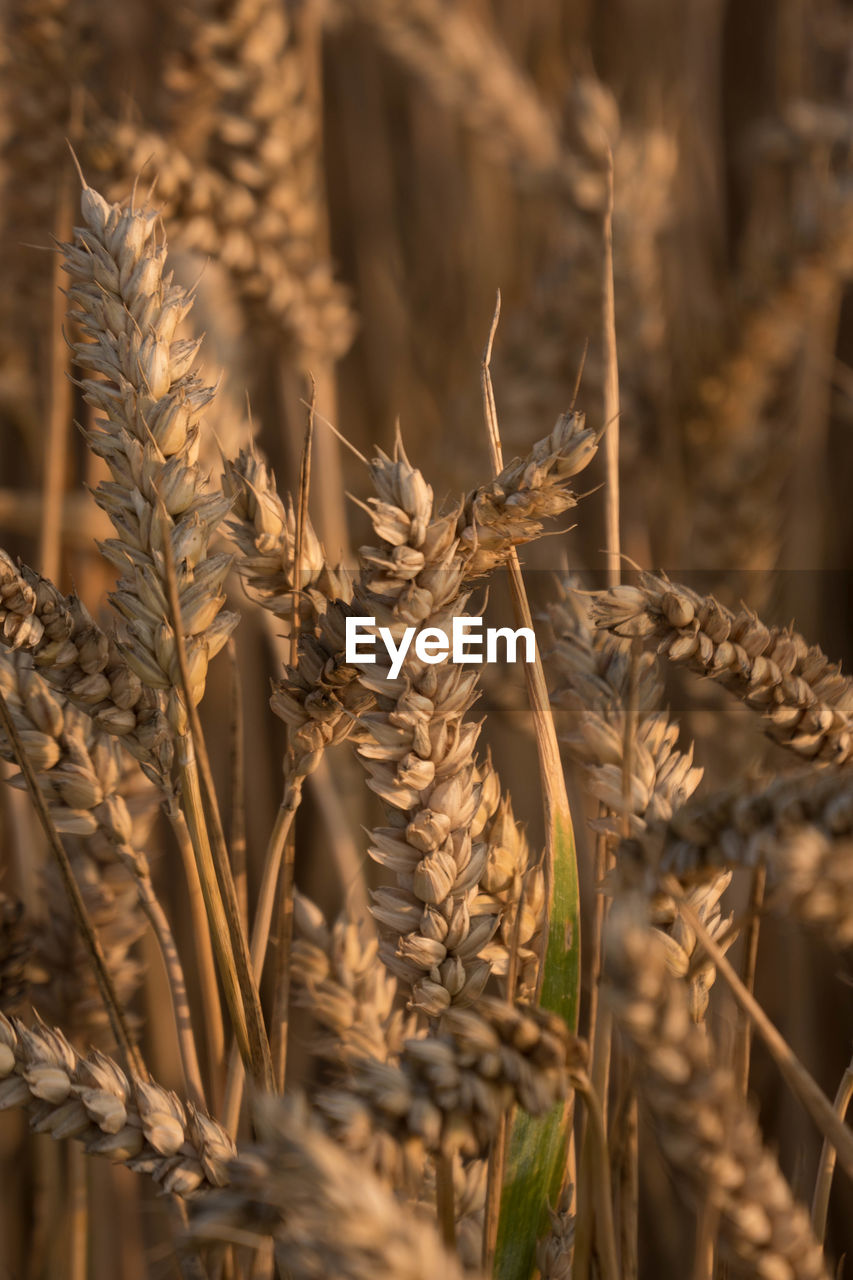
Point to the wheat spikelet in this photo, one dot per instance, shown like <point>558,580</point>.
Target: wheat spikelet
<point>132,1121</point>
<point>338,976</point>
<point>707,1132</point>
<point>594,674</point>
<point>509,885</point>
<point>802,696</point>
<point>508,511</point>
<point>328,1214</point>
<point>63,987</point>
<point>264,531</point>
<point>82,773</point>
<point>419,752</point>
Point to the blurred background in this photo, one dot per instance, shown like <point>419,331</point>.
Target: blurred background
<point>347,185</point>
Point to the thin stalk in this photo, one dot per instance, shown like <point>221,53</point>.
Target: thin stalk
<point>494,1187</point>
<point>629,1150</point>
<point>261,932</point>
<point>220,895</point>
<point>78,1211</point>
<point>599,1165</point>
<point>559,993</point>
<point>444,1200</point>
<point>547,746</point>
<point>118,1022</point>
<point>237,841</point>
<point>214,1031</point>
<point>826,1168</point>
<point>599,872</point>
<point>743,1041</point>
<point>59,414</point>
<point>801,1083</point>
<point>281,993</point>
<point>611,391</point>
<point>217,923</point>
<point>177,986</point>
<point>498,1148</point>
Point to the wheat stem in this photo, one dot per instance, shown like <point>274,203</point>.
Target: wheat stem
<point>611,391</point>
<point>237,834</point>
<point>599,1172</point>
<point>217,923</point>
<point>743,1041</point>
<point>177,987</point>
<point>444,1199</point>
<point>261,932</point>
<point>211,1008</point>
<point>212,856</point>
<point>826,1168</point>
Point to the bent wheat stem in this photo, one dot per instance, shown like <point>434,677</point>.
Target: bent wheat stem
<point>826,1168</point>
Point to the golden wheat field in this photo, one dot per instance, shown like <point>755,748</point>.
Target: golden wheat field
<point>426,831</point>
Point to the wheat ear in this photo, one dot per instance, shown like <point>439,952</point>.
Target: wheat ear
<point>130,1120</point>
<point>804,699</point>
<point>296,1183</point>
<point>449,1090</point>
<point>707,1132</point>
